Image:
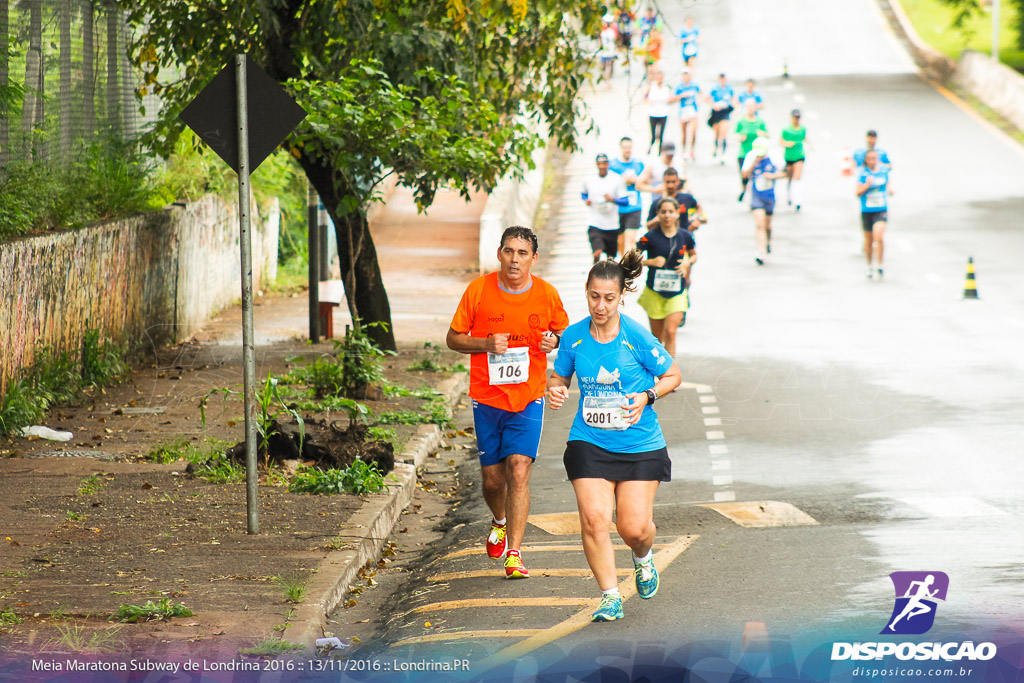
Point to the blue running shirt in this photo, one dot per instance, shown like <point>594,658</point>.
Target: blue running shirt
<point>764,187</point>
<point>862,152</point>
<point>722,94</point>
<point>689,93</point>
<point>627,364</point>
<point>874,200</point>
<point>689,39</point>
<point>619,166</point>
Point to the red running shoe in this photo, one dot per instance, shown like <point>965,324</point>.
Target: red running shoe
<point>496,542</point>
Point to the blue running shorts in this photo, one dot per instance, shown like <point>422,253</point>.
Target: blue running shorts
<point>501,433</point>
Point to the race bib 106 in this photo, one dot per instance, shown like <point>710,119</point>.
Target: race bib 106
<point>511,367</point>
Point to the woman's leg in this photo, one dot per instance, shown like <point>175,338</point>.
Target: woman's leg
<point>760,233</point>
<point>634,519</point>
<point>796,191</point>
<point>595,499</point>
<point>879,243</point>
<point>670,326</point>
<point>656,327</point>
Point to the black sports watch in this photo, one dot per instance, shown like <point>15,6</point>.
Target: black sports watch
<point>652,396</point>
<point>558,339</point>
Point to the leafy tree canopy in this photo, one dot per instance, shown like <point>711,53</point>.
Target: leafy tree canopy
<point>440,93</point>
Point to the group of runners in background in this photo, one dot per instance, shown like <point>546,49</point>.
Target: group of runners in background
<point>510,320</point>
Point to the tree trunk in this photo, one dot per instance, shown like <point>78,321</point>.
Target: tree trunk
<point>31,113</point>
<point>88,72</point>
<point>360,272</point>
<point>64,61</point>
<point>5,126</point>
<point>113,92</point>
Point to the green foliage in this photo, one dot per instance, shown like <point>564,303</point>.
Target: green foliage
<point>90,485</point>
<point>150,611</point>
<point>19,408</point>
<point>433,362</point>
<point>267,400</point>
<point>294,588</point>
<point>434,412</point>
<point>360,360</point>
<point>219,469</point>
<point>359,477</point>
<point>271,647</point>
<point>76,639</point>
<point>73,516</point>
<point>955,25</point>
<point>8,617</point>
<point>56,379</point>
<point>182,449</point>
<point>382,434</point>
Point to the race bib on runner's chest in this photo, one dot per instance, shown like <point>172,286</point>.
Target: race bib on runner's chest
<point>605,412</point>
<point>511,367</point>
<point>763,183</point>
<point>668,281</point>
<point>875,199</point>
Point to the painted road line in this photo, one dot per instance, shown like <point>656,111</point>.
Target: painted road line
<point>718,449</point>
<point>500,573</point>
<point>559,523</point>
<point>952,507</point>
<point>701,388</point>
<point>466,635</point>
<point>714,436</point>
<point>557,547</point>
<point>722,480</point>
<point>712,422</point>
<point>766,513</point>
<point>708,399</point>
<point>721,465</point>
<point>709,410</point>
<point>724,496</point>
<point>505,602</point>
<point>627,588</point>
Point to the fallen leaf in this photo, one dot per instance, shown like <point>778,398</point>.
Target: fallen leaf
<point>147,485</point>
<point>355,639</point>
<point>362,621</point>
<point>219,633</point>
<point>427,624</point>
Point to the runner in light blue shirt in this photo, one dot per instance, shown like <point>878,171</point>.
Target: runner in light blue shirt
<point>690,39</point>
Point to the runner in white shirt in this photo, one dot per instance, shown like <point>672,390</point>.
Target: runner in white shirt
<point>657,96</point>
<point>604,193</point>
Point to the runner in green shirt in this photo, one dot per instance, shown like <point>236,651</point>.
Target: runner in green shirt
<point>748,128</point>
<point>793,138</point>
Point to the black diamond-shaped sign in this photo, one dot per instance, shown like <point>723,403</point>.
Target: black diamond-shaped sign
<point>213,114</point>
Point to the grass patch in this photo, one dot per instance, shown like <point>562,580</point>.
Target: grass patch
<point>183,449</point>
<point>73,516</point>
<point>359,478</point>
<point>271,647</point>
<point>433,362</point>
<point>434,412</point>
<point>8,617</point>
<point>150,611</point>
<point>293,588</point>
<point>76,639</point>
<point>90,485</point>
<point>933,21</point>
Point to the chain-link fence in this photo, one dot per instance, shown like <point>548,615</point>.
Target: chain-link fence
<point>65,80</point>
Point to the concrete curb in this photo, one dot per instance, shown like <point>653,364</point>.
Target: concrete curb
<point>368,528</point>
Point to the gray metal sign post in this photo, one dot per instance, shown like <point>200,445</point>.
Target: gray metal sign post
<point>248,350</point>
<point>220,117</point>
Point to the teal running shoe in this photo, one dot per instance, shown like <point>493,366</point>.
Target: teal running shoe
<point>610,609</point>
<point>646,578</point>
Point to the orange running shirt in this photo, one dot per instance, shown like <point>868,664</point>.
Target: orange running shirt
<point>486,310</point>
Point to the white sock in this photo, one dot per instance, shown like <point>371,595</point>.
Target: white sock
<point>499,522</point>
<point>611,591</point>
<point>646,557</point>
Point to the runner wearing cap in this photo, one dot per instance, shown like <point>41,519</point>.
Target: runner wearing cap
<point>690,39</point>
<point>871,143</point>
<point>508,321</point>
<point>759,168</point>
<point>651,180</point>
<point>604,193</point>
<point>872,187</point>
<point>691,213</point>
<point>671,253</point>
<point>794,137</point>
<point>686,94</point>
<point>721,99</point>
<point>616,454</point>
<point>749,128</point>
<point>629,168</point>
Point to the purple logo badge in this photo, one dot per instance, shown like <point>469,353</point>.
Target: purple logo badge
<point>917,594</point>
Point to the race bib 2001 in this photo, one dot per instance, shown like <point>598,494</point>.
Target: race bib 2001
<point>605,412</point>
<point>511,367</point>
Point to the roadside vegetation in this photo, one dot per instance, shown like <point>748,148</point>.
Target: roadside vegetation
<point>938,23</point>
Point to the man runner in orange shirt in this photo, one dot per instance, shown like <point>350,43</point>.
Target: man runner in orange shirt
<point>508,321</point>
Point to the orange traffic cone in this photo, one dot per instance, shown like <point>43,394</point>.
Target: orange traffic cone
<point>970,287</point>
<point>847,164</point>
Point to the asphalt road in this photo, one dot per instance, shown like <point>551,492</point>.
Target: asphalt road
<point>878,423</point>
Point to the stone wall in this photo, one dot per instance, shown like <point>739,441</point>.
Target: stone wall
<point>148,279</point>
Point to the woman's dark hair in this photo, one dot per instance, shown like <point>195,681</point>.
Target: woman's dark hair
<point>670,200</point>
<point>520,232</point>
<point>623,271</point>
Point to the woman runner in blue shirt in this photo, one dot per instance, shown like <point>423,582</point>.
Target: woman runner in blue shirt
<point>616,454</point>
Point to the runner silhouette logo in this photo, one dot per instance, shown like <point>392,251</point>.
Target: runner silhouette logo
<point>917,594</point>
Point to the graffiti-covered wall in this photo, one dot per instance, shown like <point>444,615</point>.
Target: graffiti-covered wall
<point>152,278</point>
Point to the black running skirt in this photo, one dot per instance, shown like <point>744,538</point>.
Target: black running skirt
<point>584,460</point>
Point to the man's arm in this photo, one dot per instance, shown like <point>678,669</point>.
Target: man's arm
<point>464,343</point>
